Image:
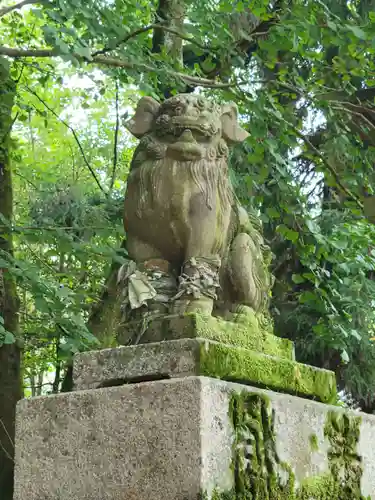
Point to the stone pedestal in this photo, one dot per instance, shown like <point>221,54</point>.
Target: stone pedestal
<point>181,439</point>
<point>186,357</point>
<point>190,417</point>
<point>204,345</point>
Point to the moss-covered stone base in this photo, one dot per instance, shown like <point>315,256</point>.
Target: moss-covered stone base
<point>189,326</point>
<point>242,365</point>
<point>258,472</point>
<point>199,356</point>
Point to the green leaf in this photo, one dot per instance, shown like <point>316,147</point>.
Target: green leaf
<point>62,46</point>
<point>38,13</point>
<point>9,338</point>
<point>340,244</point>
<point>345,267</point>
<point>306,297</point>
<point>312,226</point>
<point>355,334</point>
<point>357,31</point>
<point>84,52</point>
<point>331,25</point>
<point>42,305</point>
<point>297,278</point>
<point>345,356</point>
<point>63,292</point>
<point>291,235</point>
<point>272,213</point>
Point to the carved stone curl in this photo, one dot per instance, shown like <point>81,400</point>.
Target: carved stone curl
<point>180,210</point>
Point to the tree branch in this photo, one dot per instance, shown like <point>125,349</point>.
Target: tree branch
<point>202,82</point>
<point>25,178</point>
<point>337,95</point>
<point>57,379</point>
<point>324,160</point>
<point>332,170</point>
<point>125,39</point>
<point>117,63</point>
<point>74,135</point>
<point>346,107</point>
<point>7,10</point>
<point>7,433</point>
<point>144,29</point>
<point>8,51</point>
<point>39,386</point>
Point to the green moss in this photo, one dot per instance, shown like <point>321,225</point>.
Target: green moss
<point>256,464</point>
<point>195,325</point>
<point>247,335</point>
<point>259,474</point>
<point>322,487</point>
<point>345,464</point>
<point>237,364</point>
<point>314,442</point>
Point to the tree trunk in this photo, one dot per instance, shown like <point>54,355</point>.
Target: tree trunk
<point>170,13</point>
<point>105,315</point>
<point>10,373</point>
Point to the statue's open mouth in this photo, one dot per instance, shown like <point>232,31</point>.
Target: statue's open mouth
<point>204,128</point>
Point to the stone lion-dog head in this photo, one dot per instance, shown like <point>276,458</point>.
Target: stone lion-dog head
<point>190,131</point>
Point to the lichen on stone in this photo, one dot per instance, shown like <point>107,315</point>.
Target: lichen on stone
<point>258,472</point>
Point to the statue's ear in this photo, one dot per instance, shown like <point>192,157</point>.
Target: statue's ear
<point>145,113</point>
<point>231,130</point>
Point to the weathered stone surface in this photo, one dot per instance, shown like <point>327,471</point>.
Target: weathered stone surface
<point>174,439</point>
<point>161,360</point>
<point>132,442</point>
<point>192,325</point>
<point>186,357</point>
<point>192,246</point>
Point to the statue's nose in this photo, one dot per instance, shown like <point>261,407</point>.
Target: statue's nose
<point>186,136</point>
<point>185,148</point>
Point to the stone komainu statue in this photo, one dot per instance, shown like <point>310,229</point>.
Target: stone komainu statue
<point>192,247</point>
